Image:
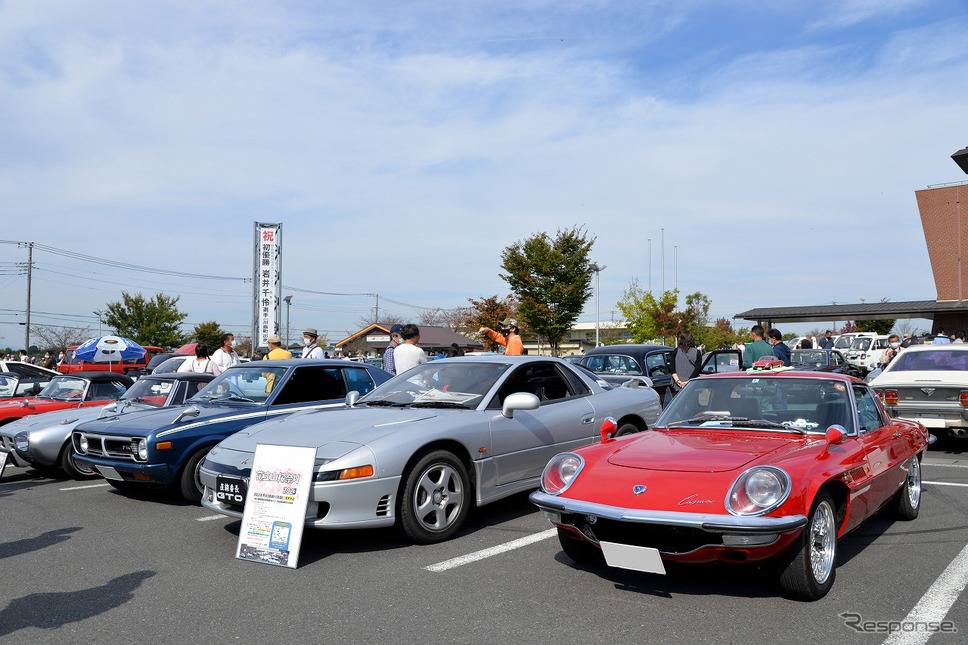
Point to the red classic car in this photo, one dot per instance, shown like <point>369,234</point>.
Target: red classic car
<point>79,390</point>
<point>739,468</point>
<point>767,363</point>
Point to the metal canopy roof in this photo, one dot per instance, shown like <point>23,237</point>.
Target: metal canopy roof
<point>861,311</point>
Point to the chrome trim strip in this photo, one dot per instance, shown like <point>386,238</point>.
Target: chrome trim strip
<point>716,523</point>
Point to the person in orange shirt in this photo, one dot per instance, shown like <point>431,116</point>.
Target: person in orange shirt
<point>509,337</point>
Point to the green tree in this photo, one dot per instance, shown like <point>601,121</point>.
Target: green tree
<point>489,312</point>
<point>876,326</point>
<point>149,322</point>
<point>551,279</point>
<point>647,318</point>
<point>720,335</point>
<point>210,333</point>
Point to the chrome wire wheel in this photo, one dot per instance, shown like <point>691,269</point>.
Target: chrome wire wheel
<point>438,497</point>
<point>823,542</point>
<point>914,482</point>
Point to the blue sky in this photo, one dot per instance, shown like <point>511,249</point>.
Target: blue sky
<point>403,146</point>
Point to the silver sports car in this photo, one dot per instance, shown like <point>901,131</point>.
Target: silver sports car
<point>421,449</point>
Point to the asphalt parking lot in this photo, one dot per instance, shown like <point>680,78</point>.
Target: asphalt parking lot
<point>82,562</point>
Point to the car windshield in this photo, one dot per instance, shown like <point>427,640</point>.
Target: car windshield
<point>64,388</point>
<point>153,392</point>
<point>169,365</point>
<point>843,342</point>
<point>861,344</point>
<point>439,384</point>
<point>249,384</point>
<point>808,357</point>
<point>936,360</point>
<point>803,405</point>
<point>612,364</point>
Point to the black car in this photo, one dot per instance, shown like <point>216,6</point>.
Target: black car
<point>619,363</point>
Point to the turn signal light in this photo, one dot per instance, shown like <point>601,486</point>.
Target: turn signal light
<point>163,445</point>
<point>356,473</point>
<point>963,399</point>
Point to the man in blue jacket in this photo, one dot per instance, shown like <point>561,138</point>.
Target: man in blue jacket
<point>780,349</point>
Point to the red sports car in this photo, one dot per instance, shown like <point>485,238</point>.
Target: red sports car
<point>768,363</point>
<point>79,390</point>
<point>740,468</point>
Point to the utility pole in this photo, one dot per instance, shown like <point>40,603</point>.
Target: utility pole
<point>30,266</point>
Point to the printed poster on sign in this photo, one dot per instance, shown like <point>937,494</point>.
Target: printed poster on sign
<point>3,462</point>
<point>275,505</point>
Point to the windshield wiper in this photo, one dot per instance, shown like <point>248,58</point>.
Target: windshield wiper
<point>235,397</point>
<point>384,403</point>
<point>439,404</point>
<point>743,421</point>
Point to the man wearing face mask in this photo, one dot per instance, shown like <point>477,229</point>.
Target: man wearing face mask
<point>224,357</point>
<point>893,349</point>
<point>312,350</point>
<point>509,337</point>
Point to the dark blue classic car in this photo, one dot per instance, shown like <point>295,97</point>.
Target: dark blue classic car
<point>165,447</point>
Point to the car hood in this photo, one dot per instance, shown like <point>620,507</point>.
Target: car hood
<point>696,450</point>
<point>65,417</point>
<point>33,403</point>
<point>145,421</point>
<point>356,426</point>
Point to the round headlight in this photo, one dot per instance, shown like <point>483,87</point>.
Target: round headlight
<point>560,472</point>
<point>82,443</point>
<point>143,449</point>
<point>21,442</point>
<point>758,491</point>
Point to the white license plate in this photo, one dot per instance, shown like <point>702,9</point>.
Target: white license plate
<point>636,558</point>
<point>109,473</point>
<point>929,422</point>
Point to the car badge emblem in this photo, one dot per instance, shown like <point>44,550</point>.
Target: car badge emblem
<point>638,489</point>
<point>928,390</point>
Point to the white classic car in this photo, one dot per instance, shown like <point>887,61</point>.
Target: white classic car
<point>928,384</point>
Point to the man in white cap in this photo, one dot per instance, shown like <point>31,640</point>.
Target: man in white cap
<point>309,340</point>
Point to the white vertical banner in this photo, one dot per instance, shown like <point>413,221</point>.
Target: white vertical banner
<point>275,505</point>
<point>266,282</point>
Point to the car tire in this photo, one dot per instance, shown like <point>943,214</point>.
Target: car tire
<point>435,498</point>
<point>907,504</point>
<point>579,550</point>
<point>188,484</point>
<point>625,429</point>
<point>812,561</point>
<point>71,468</point>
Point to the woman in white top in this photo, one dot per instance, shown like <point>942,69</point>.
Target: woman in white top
<point>201,363</point>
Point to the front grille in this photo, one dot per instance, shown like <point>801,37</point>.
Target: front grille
<point>7,442</point>
<point>667,539</point>
<point>115,447</point>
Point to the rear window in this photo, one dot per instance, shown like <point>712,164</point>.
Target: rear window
<point>939,360</point>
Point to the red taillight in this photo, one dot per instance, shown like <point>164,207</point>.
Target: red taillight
<point>963,399</point>
<point>891,397</point>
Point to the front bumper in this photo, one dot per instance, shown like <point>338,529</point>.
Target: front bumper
<point>14,457</point>
<point>350,504</point>
<point>129,471</point>
<point>676,536</point>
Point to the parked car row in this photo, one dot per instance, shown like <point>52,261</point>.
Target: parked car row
<point>739,468</point>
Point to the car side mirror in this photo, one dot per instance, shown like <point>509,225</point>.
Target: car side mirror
<point>351,398</point>
<point>519,401</point>
<point>188,412</point>
<point>835,435</point>
<point>607,431</point>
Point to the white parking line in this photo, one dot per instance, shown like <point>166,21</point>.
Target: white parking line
<point>83,487</point>
<point>494,550</point>
<point>929,463</point>
<point>935,604</point>
<point>209,518</point>
<point>944,484</point>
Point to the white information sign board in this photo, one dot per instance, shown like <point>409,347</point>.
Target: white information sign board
<point>3,462</point>
<point>275,505</point>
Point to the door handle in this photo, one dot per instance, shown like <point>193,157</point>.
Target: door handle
<point>587,420</point>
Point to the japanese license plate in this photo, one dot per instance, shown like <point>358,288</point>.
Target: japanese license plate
<point>230,490</point>
<point>636,558</point>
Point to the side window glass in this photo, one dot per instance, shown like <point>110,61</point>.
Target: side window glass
<point>658,364</point>
<point>868,412</point>
<point>312,383</point>
<point>358,379</point>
